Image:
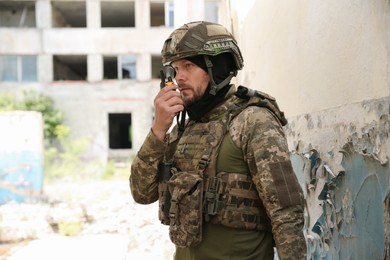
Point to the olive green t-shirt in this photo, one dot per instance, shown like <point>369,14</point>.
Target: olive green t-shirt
<point>225,243</point>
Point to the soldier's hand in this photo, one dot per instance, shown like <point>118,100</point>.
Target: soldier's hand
<point>167,104</point>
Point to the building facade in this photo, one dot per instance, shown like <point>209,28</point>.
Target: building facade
<point>98,60</point>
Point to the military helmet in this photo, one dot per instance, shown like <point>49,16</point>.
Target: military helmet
<point>200,38</point>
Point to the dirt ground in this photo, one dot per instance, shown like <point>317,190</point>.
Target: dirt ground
<point>83,220</point>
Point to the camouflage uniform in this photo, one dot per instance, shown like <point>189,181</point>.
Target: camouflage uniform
<point>259,136</point>
<point>254,145</point>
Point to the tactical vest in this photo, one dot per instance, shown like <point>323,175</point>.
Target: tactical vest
<point>230,199</point>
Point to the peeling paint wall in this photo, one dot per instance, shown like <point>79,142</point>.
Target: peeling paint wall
<point>344,210</point>
<point>342,160</point>
<point>365,124</point>
<point>328,65</point>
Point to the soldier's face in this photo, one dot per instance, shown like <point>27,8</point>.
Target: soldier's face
<point>192,80</point>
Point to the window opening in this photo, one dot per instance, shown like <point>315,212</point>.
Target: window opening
<point>117,14</point>
<point>161,13</point>
<point>156,66</point>
<point>128,67</point>
<point>119,130</point>
<point>18,68</point>
<point>17,14</point>
<point>70,67</point>
<point>110,67</point>
<point>157,16</point>
<point>121,67</point>
<point>9,68</point>
<point>29,68</point>
<point>69,14</point>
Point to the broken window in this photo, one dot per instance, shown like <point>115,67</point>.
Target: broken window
<point>211,10</point>
<point>18,68</point>
<point>128,67</point>
<point>119,130</point>
<point>156,66</point>
<point>70,67</point>
<point>117,14</point>
<point>121,67</point>
<point>69,14</point>
<point>17,14</point>
<point>161,13</point>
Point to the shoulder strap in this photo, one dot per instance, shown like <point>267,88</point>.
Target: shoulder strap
<point>246,97</point>
<point>209,156</point>
<point>261,99</point>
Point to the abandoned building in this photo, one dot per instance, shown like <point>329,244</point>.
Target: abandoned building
<point>98,60</point>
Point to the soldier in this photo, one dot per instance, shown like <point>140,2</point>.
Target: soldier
<point>223,177</point>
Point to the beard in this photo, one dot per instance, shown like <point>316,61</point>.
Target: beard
<point>190,100</point>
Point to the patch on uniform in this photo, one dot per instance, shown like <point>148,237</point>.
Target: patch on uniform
<point>287,186</point>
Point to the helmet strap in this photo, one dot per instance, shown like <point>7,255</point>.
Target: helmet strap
<point>214,88</point>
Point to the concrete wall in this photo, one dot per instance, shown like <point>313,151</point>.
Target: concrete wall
<point>328,65</point>
<point>21,156</point>
<point>310,52</point>
<point>87,112</point>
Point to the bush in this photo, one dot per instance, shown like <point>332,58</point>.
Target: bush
<point>33,101</point>
<point>68,162</point>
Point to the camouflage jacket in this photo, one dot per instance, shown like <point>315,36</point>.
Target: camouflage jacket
<point>258,132</point>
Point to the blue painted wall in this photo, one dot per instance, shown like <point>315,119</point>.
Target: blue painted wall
<point>345,211</point>
<point>21,176</point>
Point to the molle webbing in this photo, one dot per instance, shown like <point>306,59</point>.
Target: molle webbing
<point>231,199</point>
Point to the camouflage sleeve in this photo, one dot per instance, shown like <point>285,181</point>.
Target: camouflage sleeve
<point>265,149</point>
<point>143,176</point>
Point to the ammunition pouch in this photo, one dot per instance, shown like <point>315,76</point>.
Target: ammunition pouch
<point>231,199</point>
<point>164,196</point>
<point>185,229</point>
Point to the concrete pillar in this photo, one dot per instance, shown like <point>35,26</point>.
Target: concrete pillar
<point>188,11</point>
<point>180,12</point>
<point>195,11</point>
<point>144,66</point>
<point>93,14</point>
<point>95,67</point>
<point>43,14</point>
<point>142,14</point>
<point>45,68</point>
